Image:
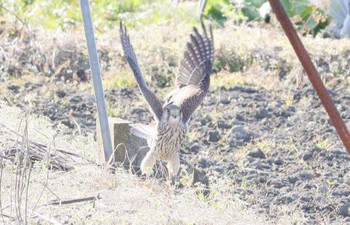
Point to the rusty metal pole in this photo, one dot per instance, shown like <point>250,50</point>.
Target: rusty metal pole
<point>312,73</point>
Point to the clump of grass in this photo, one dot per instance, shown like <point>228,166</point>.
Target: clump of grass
<point>119,79</point>
<point>323,143</point>
<point>229,80</point>
<point>114,111</point>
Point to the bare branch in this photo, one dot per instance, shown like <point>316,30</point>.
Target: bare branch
<point>72,201</point>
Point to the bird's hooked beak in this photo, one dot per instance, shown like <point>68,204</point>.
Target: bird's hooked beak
<point>174,117</point>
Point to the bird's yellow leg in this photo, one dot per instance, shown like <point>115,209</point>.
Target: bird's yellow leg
<point>173,167</point>
<point>148,163</point>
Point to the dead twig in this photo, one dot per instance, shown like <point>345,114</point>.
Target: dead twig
<point>47,178</point>
<point>8,216</point>
<point>39,152</point>
<point>72,201</point>
<point>23,172</point>
<point>5,207</point>
<point>1,175</point>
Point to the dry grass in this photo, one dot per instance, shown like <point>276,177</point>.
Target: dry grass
<point>259,61</point>
<point>262,61</point>
<point>123,198</point>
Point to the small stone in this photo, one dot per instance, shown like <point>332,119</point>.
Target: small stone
<point>335,155</point>
<point>205,121</point>
<point>330,164</point>
<point>76,99</point>
<point>231,166</point>
<point>249,160</point>
<point>203,163</point>
<point>261,166</point>
<point>82,75</point>
<point>223,125</point>
<point>306,207</point>
<point>262,179</point>
<point>323,188</point>
<point>307,156</point>
<point>278,162</point>
<point>213,136</point>
<point>14,88</point>
<point>305,175</point>
<point>68,123</point>
<point>240,117</point>
<point>279,185</point>
<point>293,179</point>
<point>261,114</point>
<point>286,199</point>
<point>237,122</point>
<point>343,210</point>
<point>257,153</point>
<point>31,86</point>
<point>225,101</point>
<point>195,177</point>
<point>240,136</point>
<point>305,199</point>
<point>195,148</point>
<point>258,164</point>
<point>138,110</point>
<point>60,94</point>
<point>309,187</point>
<point>219,169</point>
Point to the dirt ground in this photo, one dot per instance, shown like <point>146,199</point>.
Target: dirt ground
<point>261,135</point>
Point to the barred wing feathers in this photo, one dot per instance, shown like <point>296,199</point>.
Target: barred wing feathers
<point>193,78</point>
<point>198,52</point>
<point>151,98</point>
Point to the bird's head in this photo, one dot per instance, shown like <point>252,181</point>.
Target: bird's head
<point>172,114</point>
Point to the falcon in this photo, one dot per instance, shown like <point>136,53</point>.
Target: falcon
<point>173,114</point>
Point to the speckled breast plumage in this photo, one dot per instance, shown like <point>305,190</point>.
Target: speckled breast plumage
<point>168,140</point>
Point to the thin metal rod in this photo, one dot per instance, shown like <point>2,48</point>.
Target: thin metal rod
<point>200,9</point>
<point>97,79</point>
<point>312,73</point>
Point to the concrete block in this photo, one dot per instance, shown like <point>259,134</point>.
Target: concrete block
<point>130,147</point>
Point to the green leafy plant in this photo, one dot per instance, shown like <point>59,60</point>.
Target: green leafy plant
<point>65,14</point>
<point>331,183</point>
<point>307,18</point>
<point>218,10</point>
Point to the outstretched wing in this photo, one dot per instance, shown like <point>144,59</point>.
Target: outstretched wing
<point>145,132</point>
<point>193,64</point>
<point>193,78</point>
<point>151,98</point>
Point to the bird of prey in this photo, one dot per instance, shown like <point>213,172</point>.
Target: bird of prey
<point>173,114</point>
